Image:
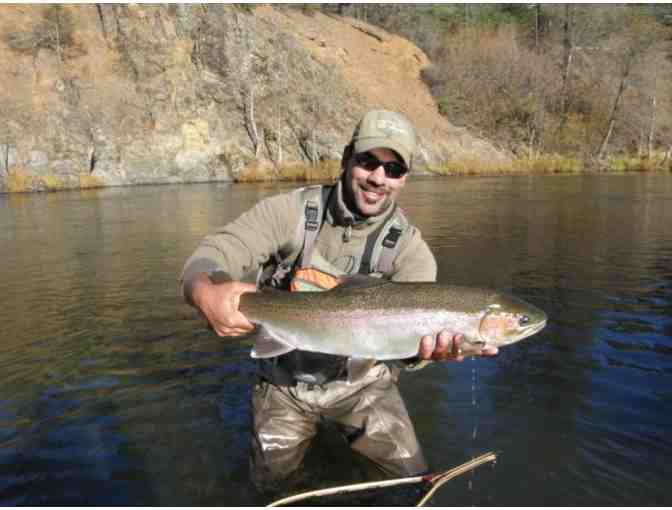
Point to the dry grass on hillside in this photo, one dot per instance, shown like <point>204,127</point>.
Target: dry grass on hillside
<point>323,171</point>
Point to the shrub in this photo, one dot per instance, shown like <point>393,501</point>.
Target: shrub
<point>87,181</point>
<point>327,170</point>
<point>18,181</point>
<point>51,183</point>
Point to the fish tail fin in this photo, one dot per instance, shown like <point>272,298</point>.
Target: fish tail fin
<point>268,346</point>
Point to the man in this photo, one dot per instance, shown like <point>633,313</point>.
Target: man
<point>306,240</point>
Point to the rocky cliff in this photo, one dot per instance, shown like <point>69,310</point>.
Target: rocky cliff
<point>110,94</point>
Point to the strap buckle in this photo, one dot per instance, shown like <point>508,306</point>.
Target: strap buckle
<point>312,213</point>
<point>392,237</point>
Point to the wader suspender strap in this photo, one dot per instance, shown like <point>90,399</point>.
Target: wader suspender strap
<point>394,229</point>
<point>314,216</point>
<point>388,253</point>
<point>389,231</point>
<point>371,240</point>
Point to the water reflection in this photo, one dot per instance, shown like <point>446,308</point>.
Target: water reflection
<point>578,248</point>
<point>115,394</point>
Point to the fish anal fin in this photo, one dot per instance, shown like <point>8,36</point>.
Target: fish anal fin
<point>267,346</point>
<point>358,367</point>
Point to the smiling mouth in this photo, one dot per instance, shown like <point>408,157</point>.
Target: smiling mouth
<point>372,194</point>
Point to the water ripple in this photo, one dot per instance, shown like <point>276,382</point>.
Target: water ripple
<point>114,394</point>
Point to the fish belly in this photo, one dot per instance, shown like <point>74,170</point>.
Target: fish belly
<point>385,335</point>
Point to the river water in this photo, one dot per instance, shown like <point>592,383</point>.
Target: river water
<point>113,393</point>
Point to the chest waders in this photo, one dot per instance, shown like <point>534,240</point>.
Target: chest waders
<point>306,270</point>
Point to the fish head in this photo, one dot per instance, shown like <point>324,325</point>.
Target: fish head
<point>509,319</point>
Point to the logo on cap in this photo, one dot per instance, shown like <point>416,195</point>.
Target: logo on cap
<point>389,127</point>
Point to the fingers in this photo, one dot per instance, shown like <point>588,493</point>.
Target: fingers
<point>233,328</point>
<point>232,331</point>
<point>237,323</point>
<point>232,323</point>
<point>426,347</point>
<point>446,346</point>
<point>457,349</point>
<point>219,303</point>
<point>242,287</point>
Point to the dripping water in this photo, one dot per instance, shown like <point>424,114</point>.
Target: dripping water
<point>475,414</point>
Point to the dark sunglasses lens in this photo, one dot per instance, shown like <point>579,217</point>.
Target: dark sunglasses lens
<point>393,169</point>
<point>367,161</point>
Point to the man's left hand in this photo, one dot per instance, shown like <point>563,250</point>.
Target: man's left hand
<point>447,347</point>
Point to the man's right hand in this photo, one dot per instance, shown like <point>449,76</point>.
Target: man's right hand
<point>218,304</point>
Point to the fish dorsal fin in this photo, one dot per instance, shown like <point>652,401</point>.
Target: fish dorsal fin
<point>266,346</point>
<point>360,281</point>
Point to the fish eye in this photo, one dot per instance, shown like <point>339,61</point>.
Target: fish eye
<point>524,320</point>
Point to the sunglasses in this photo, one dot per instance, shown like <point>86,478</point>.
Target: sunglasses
<point>369,162</point>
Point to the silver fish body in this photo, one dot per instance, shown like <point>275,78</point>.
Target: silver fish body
<point>378,319</point>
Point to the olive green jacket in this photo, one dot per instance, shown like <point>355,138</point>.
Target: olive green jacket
<point>272,227</point>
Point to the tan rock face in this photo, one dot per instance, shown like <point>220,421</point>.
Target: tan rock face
<point>181,93</point>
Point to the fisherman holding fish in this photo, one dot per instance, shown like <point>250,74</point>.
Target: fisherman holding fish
<point>311,239</point>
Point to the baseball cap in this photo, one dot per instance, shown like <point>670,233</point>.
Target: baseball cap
<point>387,130</point>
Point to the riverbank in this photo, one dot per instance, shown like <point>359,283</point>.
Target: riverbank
<point>543,165</point>
<point>164,94</point>
<point>20,182</point>
<point>553,164</point>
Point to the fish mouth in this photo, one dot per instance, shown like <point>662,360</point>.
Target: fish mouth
<point>534,328</point>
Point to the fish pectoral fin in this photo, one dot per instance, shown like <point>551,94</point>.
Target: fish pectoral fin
<point>358,367</point>
<point>266,346</point>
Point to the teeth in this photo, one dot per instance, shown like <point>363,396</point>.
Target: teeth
<point>372,196</point>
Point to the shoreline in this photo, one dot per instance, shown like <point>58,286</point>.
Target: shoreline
<point>19,182</point>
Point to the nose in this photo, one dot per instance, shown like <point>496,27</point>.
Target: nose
<point>377,176</point>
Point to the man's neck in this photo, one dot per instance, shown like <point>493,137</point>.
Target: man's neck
<point>348,209</point>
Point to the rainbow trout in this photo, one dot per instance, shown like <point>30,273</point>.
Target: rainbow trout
<point>369,318</point>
